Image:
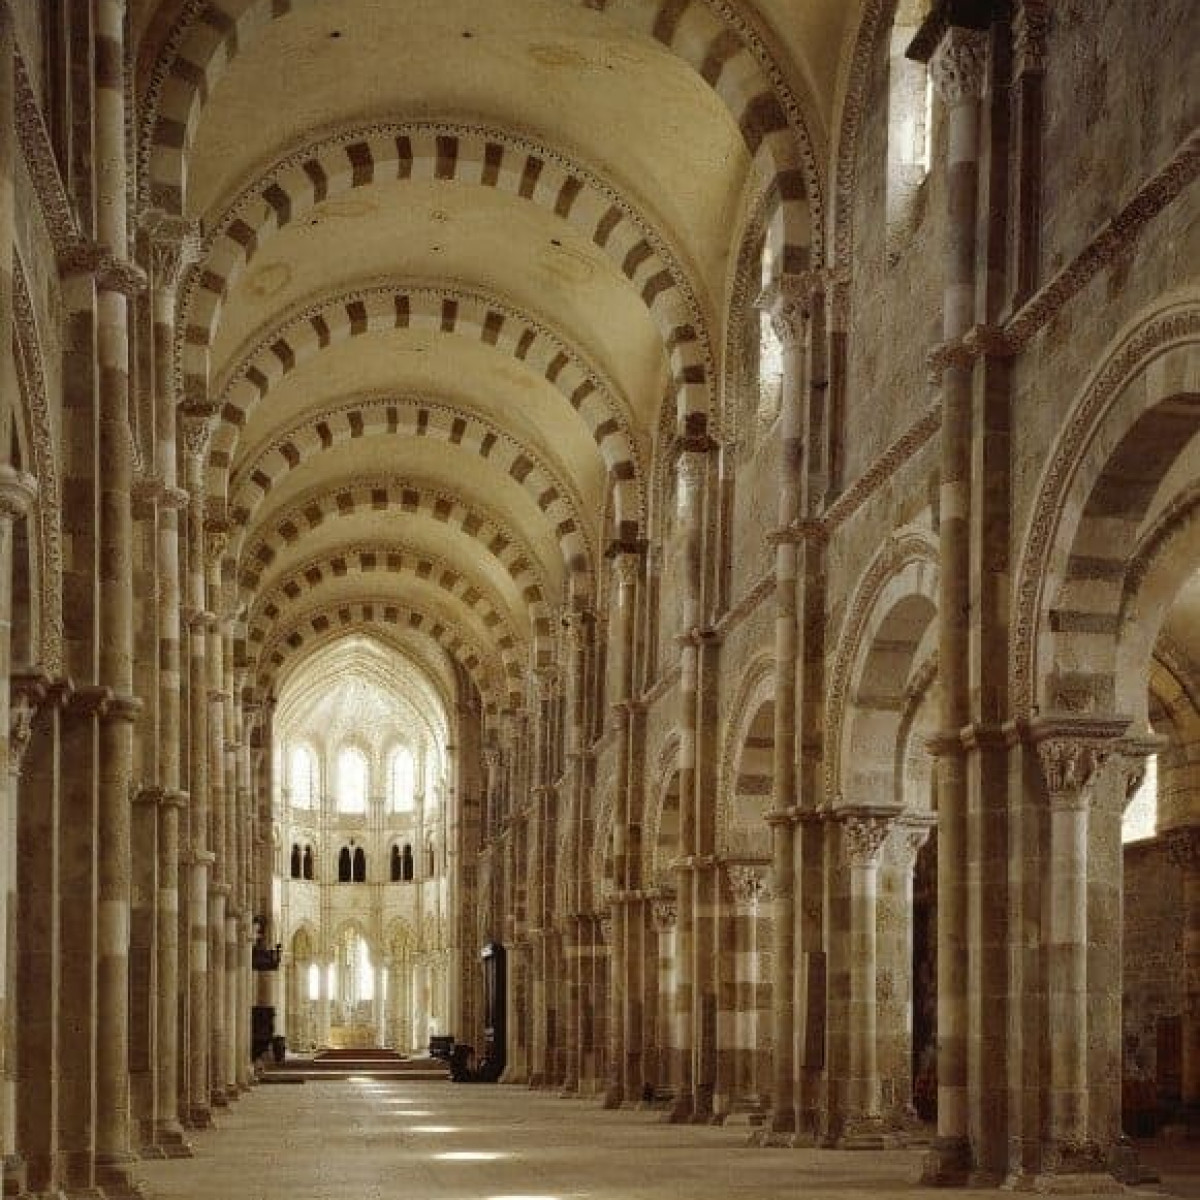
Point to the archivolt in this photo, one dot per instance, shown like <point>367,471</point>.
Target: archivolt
<point>452,153</point>
<point>712,36</point>
<point>392,559</point>
<point>901,551</point>
<point>460,312</point>
<point>389,494</point>
<point>316,626</point>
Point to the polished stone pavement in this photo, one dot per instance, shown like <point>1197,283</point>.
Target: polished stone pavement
<point>362,1140</point>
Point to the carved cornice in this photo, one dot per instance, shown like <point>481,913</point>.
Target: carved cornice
<point>1112,242</point>
<point>906,447</point>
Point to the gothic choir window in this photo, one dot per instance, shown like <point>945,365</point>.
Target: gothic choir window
<point>307,867</point>
<point>302,777</point>
<point>352,775</point>
<point>345,868</point>
<point>296,861</point>
<point>314,981</point>
<point>360,865</point>
<point>402,780</point>
<point>1141,813</point>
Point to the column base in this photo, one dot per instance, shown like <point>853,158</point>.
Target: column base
<point>867,1133</point>
<point>170,1140</point>
<point>681,1112</point>
<point>947,1163</point>
<point>90,1193</point>
<point>613,1098</point>
<point>116,1183</point>
<point>199,1117</point>
<point>13,1173</point>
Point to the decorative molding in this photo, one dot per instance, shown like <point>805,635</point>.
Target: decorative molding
<point>1110,244</point>
<point>31,380</point>
<point>38,152</point>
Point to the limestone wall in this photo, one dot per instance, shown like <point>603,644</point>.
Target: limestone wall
<point>1153,966</point>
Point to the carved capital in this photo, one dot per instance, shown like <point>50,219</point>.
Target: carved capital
<point>789,302</point>
<point>665,909</point>
<point>863,835</point>
<point>197,418</point>
<point>174,245</point>
<point>28,691</point>
<point>627,567</point>
<point>908,839</point>
<point>958,65</point>
<point>1072,752</point>
<point>18,490</point>
<point>1031,23</point>
<point>748,882</point>
<point>172,498</point>
<point>216,541</point>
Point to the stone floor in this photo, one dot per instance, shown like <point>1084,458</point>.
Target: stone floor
<point>361,1140</point>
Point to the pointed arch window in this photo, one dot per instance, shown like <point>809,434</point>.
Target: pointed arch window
<point>402,780</point>
<point>307,865</point>
<point>360,865</point>
<point>345,867</point>
<point>352,778</point>
<point>296,861</point>
<point>302,776</point>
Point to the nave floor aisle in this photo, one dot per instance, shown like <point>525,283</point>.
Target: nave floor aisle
<point>362,1140</point>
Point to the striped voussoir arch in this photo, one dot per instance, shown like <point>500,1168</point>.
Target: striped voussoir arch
<point>391,559</point>
<point>320,625</point>
<point>427,151</point>
<point>436,310</point>
<point>413,417</point>
<point>713,38</point>
<point>383,494</point>
<point>1086,617</point>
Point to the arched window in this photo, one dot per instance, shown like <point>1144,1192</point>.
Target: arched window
<point>408,869</point>
<point>402,780</point>
<point>397,865</point>
<point>770,372</point>
<point>430,859</point>
<point>910,130</point>
<point>314,981</point>
<point>308,862</point>
<point>352,778</point>
<point>302,776</point>
<point>1141,813</point>
<point>296,865</point>
<point>360,866</point>
<point>345,869</point>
